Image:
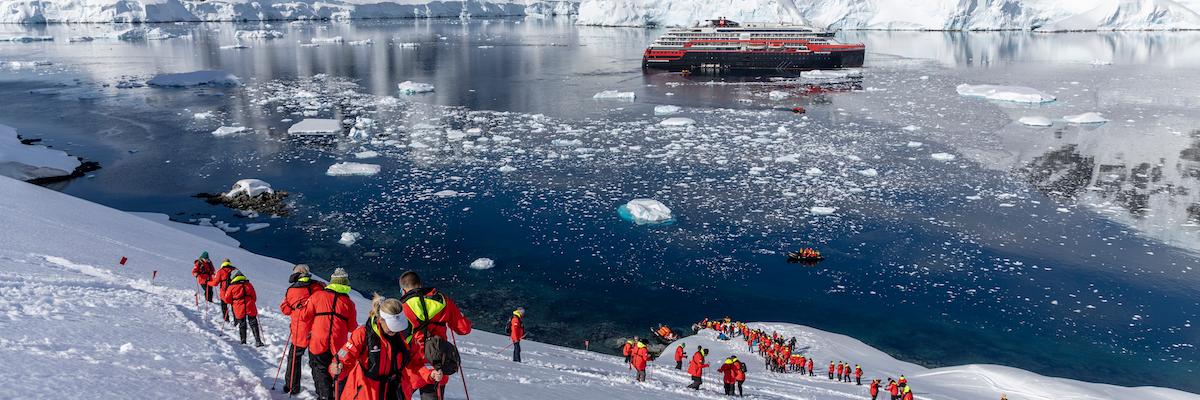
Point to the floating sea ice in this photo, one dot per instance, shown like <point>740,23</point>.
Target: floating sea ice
<point>364,42</point>
<point>483,263</point>
<point>335,39</point>
<point>942,156</point>
<point>256,226</point>
<point>27,39</point>
<point>914,144</point>
<point>777,95</point>
<point>196,78</point>
<point>1086,118</point>
<point>1016,94</point>
<point>258,34</point>
<point>645,211</point>
<point>1035,121</point>
<point>352,169</point>
<point>411,88</point>
<point>366,154</point>
<point>911,128</point>
<point>818,210</point>
<point>316,127</point>
<point>445,193</point>
<point>677,122</point>
<point>506,168</point>
<point>203,115</point>
<point>230,131</point>
<point>665,110</point>
<point>613,95</point>
<point>249,187</point>
<point>814,171</point>
<point>348,238</point>
<point>80,39</point>
<point>869,172</point>
<point>831,74</point>
<point>408,45</point>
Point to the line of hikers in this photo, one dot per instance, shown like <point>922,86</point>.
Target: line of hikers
<point>402,348</point>
<point>779,356</point>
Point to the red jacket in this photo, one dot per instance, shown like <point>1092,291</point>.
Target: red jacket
<point>907,396</point>
<point>696,366</point>
<point>679,354</point>
<point>627,349</point>
<point>240,296</point>
<point>728,369</point>
<point>840,369</point>
<point>221,279</point>
<point>361,384</point>
<point>443,314</point>
<point>328,316</point>
<point>893,389</point>
<point>810,365</point>
<point>640,356</point>
<point>857,372</point>
<point>831,368</point>
<point>295,299</point>
<point>739,375</point>
<point>202,269</point>
<point>516,328</point>
<point>874,388</point>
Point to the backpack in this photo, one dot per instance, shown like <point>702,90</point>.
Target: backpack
<point>742,366</point>
<point>508,326</point>
<point>441,353</point>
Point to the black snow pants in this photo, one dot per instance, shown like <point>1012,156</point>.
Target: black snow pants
<point>323,382</point>
<point>294,357</point>
<point>253,322</point>
<point>696,382</point>
<point>517,351</point>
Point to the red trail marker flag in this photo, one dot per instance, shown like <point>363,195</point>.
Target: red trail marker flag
<point>123,260</point>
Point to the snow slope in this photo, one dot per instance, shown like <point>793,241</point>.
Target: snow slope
<point>65,305</point>
<point>134,11</point>
<point>1042,15</point>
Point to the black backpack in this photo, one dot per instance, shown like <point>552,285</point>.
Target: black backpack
<point>442,354</point>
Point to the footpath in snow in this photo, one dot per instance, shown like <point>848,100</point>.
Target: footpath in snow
<point>81,326</point>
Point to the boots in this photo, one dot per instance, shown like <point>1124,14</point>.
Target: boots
<point>257,333</point>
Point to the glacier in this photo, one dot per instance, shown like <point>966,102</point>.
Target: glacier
<point>938,15</point>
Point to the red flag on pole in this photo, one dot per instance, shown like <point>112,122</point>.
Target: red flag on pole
<point>123,260</point>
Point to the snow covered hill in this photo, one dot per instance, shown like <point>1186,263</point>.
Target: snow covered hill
<point>81,326</point>
<point>133,11</point>
<point>1040,15</point>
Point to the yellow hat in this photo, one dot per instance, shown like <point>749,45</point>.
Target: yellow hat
<point>226,263</point>
<point>907,389</point>
<point>729,361</point>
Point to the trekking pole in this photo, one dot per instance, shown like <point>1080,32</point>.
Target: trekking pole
<point>461,374</point>
<point>505,348</point>
<point>281,357</point>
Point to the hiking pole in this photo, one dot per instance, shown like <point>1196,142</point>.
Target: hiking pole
<point>281,357</point>
<point>505,348</point>
<point>462,375</point>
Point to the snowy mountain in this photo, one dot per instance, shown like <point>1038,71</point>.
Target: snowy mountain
<point>69,306</point>
<point>1041,15</point>
<point>134,11</point>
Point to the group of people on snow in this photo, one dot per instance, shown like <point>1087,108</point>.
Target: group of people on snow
<point>402,348</point>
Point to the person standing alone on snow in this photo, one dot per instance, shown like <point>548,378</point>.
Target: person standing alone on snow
<point>328,315</point>
<point>221,279</point>
<point>679,355</point>
<point>242,300</point>
<point>696,368</point>
<point>430,313</point>
<point>296,297</point>
<point>516,331</point>
<point>202,269</point>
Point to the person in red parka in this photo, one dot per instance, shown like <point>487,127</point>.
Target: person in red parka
<point>831,369</point>
<point>374,356</point>
<point>810,367</point>
<point>679,355</point>
<point>908,395</point>
<point>627,350</point>
<point>740,375</point>
<point>874,389</point>
<point>696,368</point>
<point>295,298</point>
<point>516,331</point>
<point>328,315</point>
<point>728,370</point>
<point>240,296</point>
<point>641,355</point>
<point>202,269</point>
<point>857,375</point>
<point>893,389</point>
<point>430,313</point>
<point>221,280</point>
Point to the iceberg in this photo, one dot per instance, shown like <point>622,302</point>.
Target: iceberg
<point>352,169</point>
<point>483,263</point>
<point>645,211</point>
<point>677,122</point>
<point>1035,121</point>
<point>1086,118</point>
<point>614,95</point>
<point>665,110</point>
<point>196,78</point>
<point>349,238</point>
<point>228,130</point>
<point>316,127</point>
<point>942,156</point>
<point>249,187</point>
<point>411,88</point>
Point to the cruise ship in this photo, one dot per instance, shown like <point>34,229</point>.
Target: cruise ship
<point>725,45</point>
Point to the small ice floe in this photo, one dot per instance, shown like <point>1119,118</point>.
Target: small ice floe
<point>352,169</point>
<point>677,122</point>
<point>249,187</point>
<point>942,156</point>
<point>257,226</point>
<point>365,154</point>
<point>821,210</point>
<point>364,42</point>
<point>869,172</point>
<point>777,95</point>
<point>80,39</point>
<point>334,39</point>
<point>483,263</point>
<point>349,238</point>
<point>411,88</point>
<point>230,131</point>
<point>814,171</point>
<point>1035,121</point>
<point>614,95</point>
<point>316,127</point>
<point>506,168</point>
<point>200,116</point>
<point>195,78</point>
<point>408,45</point>
<point>1015,94</point>
<point>914,145</point>
<point>832,74</point>
<point>27,39</point>
<point>645,211</point>
<point>258,34</point>
<point>665,110</point>
<point>1086,118</point>
<point>911,128</point>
